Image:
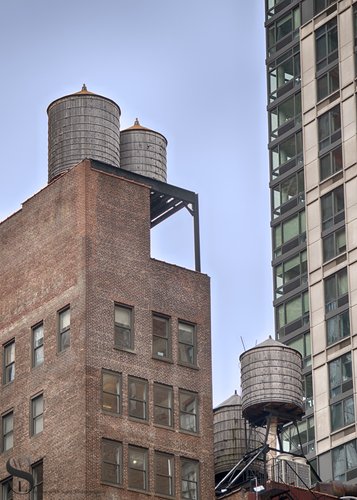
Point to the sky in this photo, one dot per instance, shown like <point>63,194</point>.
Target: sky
<point>194,71</point>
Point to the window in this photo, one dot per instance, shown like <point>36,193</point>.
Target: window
<point>189,479</point>
<point>332,208</point>
<point>282,28</point>
<point>326,42</point>
<point>37,345</point>
<point>37,414</point>
<point>285,116</point>
<point>336,290</point>
<point>164,474</point>
<point>6,489</point>
<point>9,362</point>
<point>286,155</point>
<point>288,193</point>
<point>289,234</point>
<point>331,163</point>
<point>320,5</point>
<point>163,405</point>
<point>344,461</point>
<point>290,274</point>
<point>187,343</point>
<point>340,375</point>
<point>64,332</point>
<point>188,411</point>
<point>338,327</point>
<point>161,341</point>
<point>329,128</point>
<point>138,391</point>
<point>7,424</point>
<point>334,244</point>
<point>308,392</point>
<point>138,468</point>
<point>291,311</point>
<point>112,462</point>
<point>302,344</point>
<point>284,73</point>
<point>342,413</point>
<point>37,473</point>
<point>355,33</point>
<point>111,392</point>
<point>300,439</point>
<point>123,327</point>
<point>328,83</point>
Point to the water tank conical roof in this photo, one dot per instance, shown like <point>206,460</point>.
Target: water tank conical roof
<point>271,379</point>
<point>82,125</point>
<point>143,151</point>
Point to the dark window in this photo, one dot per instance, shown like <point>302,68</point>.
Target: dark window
<point>292,310</point>
<point>188,411</point>
<point>288,193</point>
<point>123,326</point>
<point>344,461</point>
<point>320,5</point>
<point>336,290</point>
<point>326,44</point>
<point>290,274</point>
<point>286,155</point>
<point>342,413</point>
<point>300,439</point>
<point>355,33</point>
<point>285,116</point>
<point>164,474</point>
<point>340,375</point>
<point>163,405</point>
<point>37,473</point>
<point>9,362</point>
<point>329,128</point>
<point>6,489</point>
<point>328,83</point>
<point>7,428</point>
<point>111,392</point>
<point>189,478</point>
<point>161,337</point>
<point>289,234</point>
<point>284,73</point>
<point>138,392</point>
<point>187,343</point>
<point>338,327</point>
<point>308,391</point>
<point>302,343</point>
<point>334,244</point>
<point>138,468</point>
<point>37,414</point>
<point>64,332</point>
<point>332,208</point>
<point>112,462</point>
<point>37,345</point>
<point>331,162</point>
<point>284,28</point>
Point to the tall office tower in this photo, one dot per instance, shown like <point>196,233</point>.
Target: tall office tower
<point>106,364</point>
<point>311,69</point>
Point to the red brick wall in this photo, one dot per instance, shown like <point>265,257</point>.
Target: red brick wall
<point>84,240</point>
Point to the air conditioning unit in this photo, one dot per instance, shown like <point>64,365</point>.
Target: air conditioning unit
<point>292,472</point>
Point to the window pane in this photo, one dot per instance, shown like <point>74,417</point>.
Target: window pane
<point>137,473</point>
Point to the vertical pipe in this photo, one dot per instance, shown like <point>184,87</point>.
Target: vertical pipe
<point>196,223</point>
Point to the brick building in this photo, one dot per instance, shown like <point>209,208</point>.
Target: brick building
<point>106,376</point>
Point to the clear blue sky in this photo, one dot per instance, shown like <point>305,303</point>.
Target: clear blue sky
<point>190,69</point>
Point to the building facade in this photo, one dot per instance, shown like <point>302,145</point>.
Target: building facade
<point>311,70</point>
<point>106,362</point>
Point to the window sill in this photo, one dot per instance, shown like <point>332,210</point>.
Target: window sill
<point>121,349</point>
<point>159,358</point>
<point>143,492</point>
<point>187,365</point>
<point>342,429</point>
<point>334,261</point>
<point>166,427</point>
<point>119,486</point>
<point>111,413</point>
<point>190,433</point>
<point>139,420</point>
